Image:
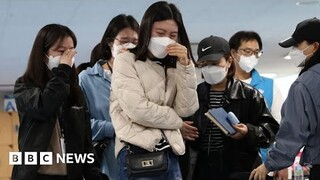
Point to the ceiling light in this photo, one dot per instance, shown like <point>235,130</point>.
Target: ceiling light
<point>306,2</point>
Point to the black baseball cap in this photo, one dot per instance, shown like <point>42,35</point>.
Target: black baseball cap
<point>308,29</point>
<point>212,48</point>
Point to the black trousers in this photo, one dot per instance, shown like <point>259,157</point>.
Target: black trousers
<point>211,166</point>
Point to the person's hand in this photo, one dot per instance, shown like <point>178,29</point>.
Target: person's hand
<point>66,57</point>
<point>179,51</point>
<point>188,131</point>
<point>122,50</point>
<point>259,173</point>
<point>242,130</point>
<point>282,174</point>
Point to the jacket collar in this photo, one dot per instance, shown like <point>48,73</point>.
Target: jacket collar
<point>167,62</point>
<point>98,70</point>
<point>234,90</point>
<point>316,68</point>
<point>256,78</point>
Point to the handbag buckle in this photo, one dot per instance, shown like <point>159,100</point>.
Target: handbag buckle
<point>147,163</point>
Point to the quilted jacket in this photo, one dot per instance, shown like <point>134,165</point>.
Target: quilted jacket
<point>146,99</point>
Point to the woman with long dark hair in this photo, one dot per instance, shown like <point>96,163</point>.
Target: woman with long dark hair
<point>52,110</point>
<point>120,35</point>
<point>153,88</point>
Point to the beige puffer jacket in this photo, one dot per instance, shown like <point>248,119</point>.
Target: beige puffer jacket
<point>143,102</point>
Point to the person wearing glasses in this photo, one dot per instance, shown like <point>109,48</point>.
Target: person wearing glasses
<point>121,35</point>
<point>246,49</point>
<point>223,156</point>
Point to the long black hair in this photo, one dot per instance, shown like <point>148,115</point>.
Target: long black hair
<point>160,11</point>
<point>102,50</point>
<point>37,72</point>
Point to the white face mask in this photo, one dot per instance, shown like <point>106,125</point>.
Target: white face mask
<point>248,63</point>
<point>157,46</point>
<point>55,61</point>
<point>214,74</point>
<point>116,48</point>
<point>72,60</point>
<point>297,56</point>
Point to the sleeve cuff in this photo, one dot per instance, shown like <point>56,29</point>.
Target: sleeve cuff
<point>188,68</point>
<point>63,71</point>
<point>268,166</point>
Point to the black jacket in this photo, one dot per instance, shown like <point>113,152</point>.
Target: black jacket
<point>250,108</point>
<point>38,110</point>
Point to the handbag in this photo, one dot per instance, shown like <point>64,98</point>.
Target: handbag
<point>146,163</point>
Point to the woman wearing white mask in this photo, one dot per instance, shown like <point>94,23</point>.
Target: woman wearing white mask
<point>120,35</point>
<point>52,110</point>
<point>300,123</point>
<point>221,156</point>
<point>151,90</point>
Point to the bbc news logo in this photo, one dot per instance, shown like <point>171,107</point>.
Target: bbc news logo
<point>47,158</point>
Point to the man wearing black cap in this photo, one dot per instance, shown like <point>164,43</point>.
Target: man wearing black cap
<point>224,156</point>
<point>300,123</point>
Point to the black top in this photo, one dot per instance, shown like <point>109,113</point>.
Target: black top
<point>249,106</point>
<point>38,110</point>
<point>212,139</point>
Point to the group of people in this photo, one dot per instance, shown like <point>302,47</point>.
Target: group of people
<point>140,102</point>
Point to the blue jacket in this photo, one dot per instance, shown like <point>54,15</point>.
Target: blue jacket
<point>95,84</point>
<point>300,123</point>
<point>264,85</point>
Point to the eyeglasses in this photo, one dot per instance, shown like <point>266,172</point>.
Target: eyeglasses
<point>250,52</point>
<point>127,40</point>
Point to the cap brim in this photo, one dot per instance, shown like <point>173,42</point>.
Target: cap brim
<point>211,57</point>
<point>288,42</point>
